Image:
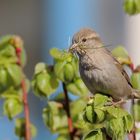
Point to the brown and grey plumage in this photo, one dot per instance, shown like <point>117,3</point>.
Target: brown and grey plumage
<point>100,71</point>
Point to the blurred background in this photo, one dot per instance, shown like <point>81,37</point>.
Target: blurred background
<point>50,23</point>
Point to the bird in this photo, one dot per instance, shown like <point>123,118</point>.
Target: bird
<point>99,70</point>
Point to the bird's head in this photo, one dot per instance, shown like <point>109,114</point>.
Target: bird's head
<point>85,40</point>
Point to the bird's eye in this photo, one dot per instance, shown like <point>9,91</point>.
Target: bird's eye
<point>84,40</point>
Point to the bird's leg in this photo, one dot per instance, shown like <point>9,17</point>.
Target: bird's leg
<point>113,103</point>
<point>120,102</point>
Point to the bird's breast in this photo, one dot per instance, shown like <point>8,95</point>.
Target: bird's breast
<point>104,77</point>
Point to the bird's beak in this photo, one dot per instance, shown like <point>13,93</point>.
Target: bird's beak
<point>73,48</point>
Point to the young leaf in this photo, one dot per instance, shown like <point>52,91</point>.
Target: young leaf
<point>90,114</point>
<point>44,82</point>
<point>59,55</point>
<point>116,112</point>
<point>121,55</point>
<point>12,93</point>
<point>75,110</point>
<point>132,7</point>
<point>81,86</point>
<point>40,67</point>
<point>95,135</point>
<point>55,118</point>
<point>71,87</point>
<point>69,72</point>
<point>78,87</point>
<point>3,79</point>
<point>20,128</point>
<point>136,110</point>
<point>12,107</point>
<point>8,51</point>
<point>137,2</point>
<point>115,129</point>
<point>63,137</point>
<point>59,70</point>
<point>4,40</point>
<point>100,100</point>
<point>128,123</point>
<point>135,80</point>
<point>15,74</point>
<point>100,115</point>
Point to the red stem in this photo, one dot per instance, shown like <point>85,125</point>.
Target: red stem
<point>67,109</point>
<point>25,99</point>
<point>26,112</point>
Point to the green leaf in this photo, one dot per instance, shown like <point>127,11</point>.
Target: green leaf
<point>75,65</point>
<point>12,93</point>
<point>55,118</point>
<point>116,112</point>
<point>100,100</point>
<point>135,80</point>
<point>12,107</point>
<point>63,137</point>
<point>121,55</point>
<point>71,87</point>
<point>75,110</point>
<point>100,115</point>
<point>136,110</point>
<point>44,82</point>
<point>81,86</point>
<point>59,70</point>
<point>27,84</point>
<point>4,40</point>
<point>15,74</point>
<point>69,72</point>
<point>33,130</point>
<point>78,87</point>
<point>137,2</point>
<point>3,79</point>
<point>8,51</point>
<point>115,129</point>
<point>48,117</point>
<point>90,114</point>
<point>60,55</point>
<point>130,7</point>
<point>128,123</point>
<point>36,90</point>
<point>20,128</point>
<point>95,135</point>
<point>40,67</point>
<point>10,60</point>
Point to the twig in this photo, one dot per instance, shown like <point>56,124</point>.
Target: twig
<point>25,99</point>
<point>26,112</point>
<point>67,109</point>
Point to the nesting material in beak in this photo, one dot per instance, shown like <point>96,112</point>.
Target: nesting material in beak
<point>73,48</point>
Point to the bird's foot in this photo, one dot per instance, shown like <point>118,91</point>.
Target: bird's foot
<point>118,103</point>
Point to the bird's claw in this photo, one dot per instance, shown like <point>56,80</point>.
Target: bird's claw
<point>118,103</point>
<point>122,101</point>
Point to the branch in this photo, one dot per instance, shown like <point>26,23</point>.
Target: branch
<point>67,109</point>
<point>25,100</point>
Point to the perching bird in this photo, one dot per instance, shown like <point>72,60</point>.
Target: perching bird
<point>99,70</point>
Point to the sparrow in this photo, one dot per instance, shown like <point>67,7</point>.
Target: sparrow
<point>99,70</point>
